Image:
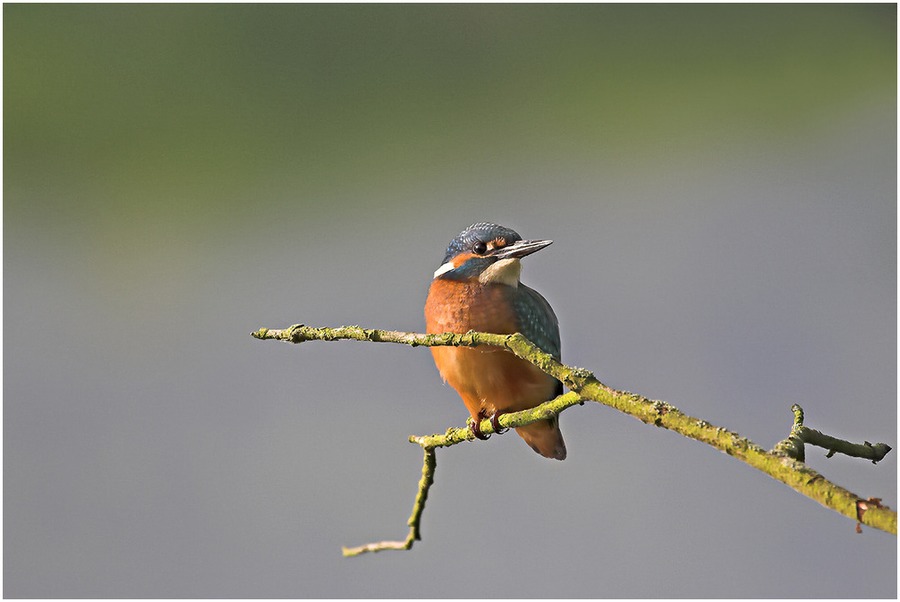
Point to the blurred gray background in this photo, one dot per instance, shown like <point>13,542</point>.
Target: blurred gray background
<point>720,183</point>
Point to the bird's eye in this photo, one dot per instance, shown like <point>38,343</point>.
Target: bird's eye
<point>480,248</point>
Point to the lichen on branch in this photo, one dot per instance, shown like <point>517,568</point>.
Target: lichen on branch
<point>784,463</point>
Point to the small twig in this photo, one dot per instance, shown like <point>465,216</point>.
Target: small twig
<point>784,463</point>
<point>793,445</point>
<point>865,450</point>
<point>430,443</point>
<point>800,435</point>
<point>546,410</point>
<point>429,464</point>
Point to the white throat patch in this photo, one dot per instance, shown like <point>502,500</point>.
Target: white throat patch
<point>505,271</point>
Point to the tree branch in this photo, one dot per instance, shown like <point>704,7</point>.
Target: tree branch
<point>793,445</point>
<point>783,463</point>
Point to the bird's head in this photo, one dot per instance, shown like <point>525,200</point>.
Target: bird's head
<point>488,253</point>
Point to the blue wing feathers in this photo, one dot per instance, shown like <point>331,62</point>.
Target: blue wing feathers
<point>537,320</point>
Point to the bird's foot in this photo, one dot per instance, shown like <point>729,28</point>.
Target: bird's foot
<point>475,427</point>
<point>495,422</point>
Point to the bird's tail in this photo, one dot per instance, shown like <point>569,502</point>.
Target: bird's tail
<point>545,438</point>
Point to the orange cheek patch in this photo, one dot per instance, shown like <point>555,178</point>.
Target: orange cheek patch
<point>462,258</point>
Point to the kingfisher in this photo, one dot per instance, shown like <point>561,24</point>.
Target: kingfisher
<point>477,287</point>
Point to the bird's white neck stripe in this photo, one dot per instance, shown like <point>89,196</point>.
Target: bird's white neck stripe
<point>444,269</point>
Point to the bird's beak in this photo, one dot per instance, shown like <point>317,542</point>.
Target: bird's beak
<point>521,248</point>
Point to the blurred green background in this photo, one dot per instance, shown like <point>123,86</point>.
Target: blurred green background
<point>720,181</point>
<point>200,114</point>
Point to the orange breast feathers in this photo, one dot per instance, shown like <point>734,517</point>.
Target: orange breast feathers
<point>488,379</point>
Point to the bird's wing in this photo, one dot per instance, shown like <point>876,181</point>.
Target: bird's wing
<point>537,321</point>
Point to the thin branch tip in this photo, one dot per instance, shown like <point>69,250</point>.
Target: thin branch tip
<point>584,386</point>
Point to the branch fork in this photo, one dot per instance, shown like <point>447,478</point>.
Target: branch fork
<point>784,462</point>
